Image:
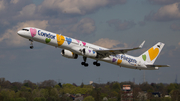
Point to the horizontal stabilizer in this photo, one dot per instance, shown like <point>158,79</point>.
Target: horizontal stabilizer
<point>157,65</point>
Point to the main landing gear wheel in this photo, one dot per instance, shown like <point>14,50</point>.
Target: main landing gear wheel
<point>31,45</point>
<point>84,63</point>
<point>96,63</point>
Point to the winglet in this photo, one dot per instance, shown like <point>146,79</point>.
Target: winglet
<point>141,44</point>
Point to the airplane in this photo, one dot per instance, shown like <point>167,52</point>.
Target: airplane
<point>71,48</point>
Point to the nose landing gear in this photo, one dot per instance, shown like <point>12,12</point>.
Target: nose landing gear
<point>31,44</point>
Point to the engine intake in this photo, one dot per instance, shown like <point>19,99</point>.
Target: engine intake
<point>68,54</point>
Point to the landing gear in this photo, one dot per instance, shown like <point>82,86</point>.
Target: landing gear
<point>96,63</point>
<point>84,63</point>
<point>31,45</point>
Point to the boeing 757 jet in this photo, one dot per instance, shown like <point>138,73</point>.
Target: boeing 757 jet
<point>71,48</point>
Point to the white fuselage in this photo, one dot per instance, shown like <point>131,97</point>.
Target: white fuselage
<point>76,47</point>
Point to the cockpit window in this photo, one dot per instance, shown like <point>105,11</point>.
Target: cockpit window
<point>25,29</point>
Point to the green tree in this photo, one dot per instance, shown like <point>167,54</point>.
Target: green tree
<point>57,86</point>
<point>26,92</point>
<point>171,87</point>
<point>175,95</point>
<point>82,85</point>
<point>136,91</point>
<point>116,86</point>
<point>6,95</point>
<point>54,92</point>
<point>69,86</point>
<point>39,99</point>
<point>28,83</point>
<point>36,93</point>
<point>166,99</point>
<point>96,93</point>
<point>89,98</point>
<point>19,99</point>
<point>44,93</point>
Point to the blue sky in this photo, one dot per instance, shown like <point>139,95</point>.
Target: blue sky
<point>108,23</point>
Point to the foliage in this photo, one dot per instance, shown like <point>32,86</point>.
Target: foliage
<point>89,98</point>
<point>39,99</point>
<point>49,90</point>
<point>69,88</point>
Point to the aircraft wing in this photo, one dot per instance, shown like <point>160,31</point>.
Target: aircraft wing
<point>107,52</point>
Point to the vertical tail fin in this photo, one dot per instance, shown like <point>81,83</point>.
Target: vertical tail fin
<point>151,55</point>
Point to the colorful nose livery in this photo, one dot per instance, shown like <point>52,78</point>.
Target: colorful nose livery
<point>33,32</point>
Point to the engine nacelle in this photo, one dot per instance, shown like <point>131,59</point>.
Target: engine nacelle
<point>69,54</point>
<point>89,53</point>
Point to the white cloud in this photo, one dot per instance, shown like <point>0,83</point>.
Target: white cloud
<point>166,13</point>
<point>84,26</point>
<point>14,1</point>
<point>120,25</point>
<point>174,50</point>
<point>108,43</point>
<point>142,23</point>
<point>175,27</point>
<point>76,28</point>
<point>2,5</point>
<point>2,56</point>
<point>163,1</point>
<point>59,22</point>
<point>11,38</point>
<point>77,6</point>
<point>28,11</point>
<point>170,11</point>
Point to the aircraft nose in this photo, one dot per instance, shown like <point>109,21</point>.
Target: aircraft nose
<point>20,33</point>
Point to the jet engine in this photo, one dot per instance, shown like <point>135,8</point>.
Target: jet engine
<point>69,54</point>
<point>89,53</point>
